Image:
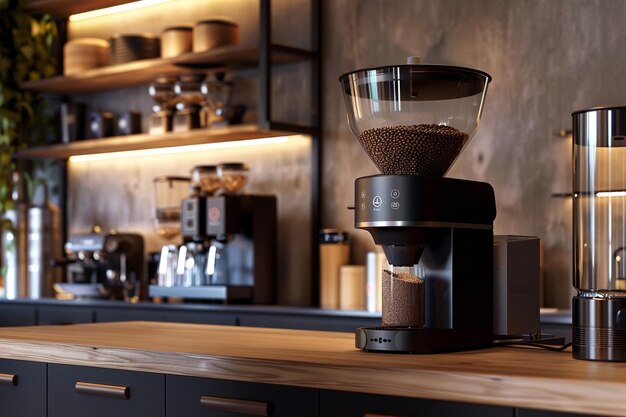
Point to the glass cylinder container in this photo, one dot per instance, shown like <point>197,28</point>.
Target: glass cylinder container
<point>218,95</point>
<point>169,191</point>
<point>403,296</point>
<point>187,90</point>
<point>162,92</point>
<point>599,137</point>
<point>233,176</point>
<point>205,180</point>
<point>414,119</point>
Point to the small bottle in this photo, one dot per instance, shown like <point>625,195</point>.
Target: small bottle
<point>334,252</point>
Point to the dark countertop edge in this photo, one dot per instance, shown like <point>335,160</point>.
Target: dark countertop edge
<point>548,316</point>
<point>214,308</point>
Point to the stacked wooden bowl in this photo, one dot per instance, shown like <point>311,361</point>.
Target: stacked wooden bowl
<point>133,47</point>
<point>214,32</point>
<point>83,54</point>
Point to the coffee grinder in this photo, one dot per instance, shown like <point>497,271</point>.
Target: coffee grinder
<point>437,233</point>
<point>239,231</point>
<point>599,205</point>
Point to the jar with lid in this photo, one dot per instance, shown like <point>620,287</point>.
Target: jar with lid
<point>205,180</point>
<point>334,252</point>
<point>218,95</point>
<point>233,176</point>
<point>163,95</point>
<point>188,102</point>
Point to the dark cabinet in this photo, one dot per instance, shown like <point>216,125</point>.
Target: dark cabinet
<point>310,322</point>
<point>22,388</point>
<point>199,397</point>
<point>75,391</point>
<point>122,314</point>
<point>64,315</point>
<point>18,315</point>
<point>32,389</point>
<point>134,314</point>
<point>347,404</point>
<point>201,317</point>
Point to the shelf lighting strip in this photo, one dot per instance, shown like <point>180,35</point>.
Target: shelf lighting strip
<point>611,194</point>
<point>184,149</point>
<point>115,9</point>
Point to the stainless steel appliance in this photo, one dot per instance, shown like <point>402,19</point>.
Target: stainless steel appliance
<point>163,95</point>
<point>188,102</point>
<point>437,233</point>
<point>15,241</point>
<point>44,244</point>
<point>113,263</point>
<point>229,254</point>
<point>599,203</point>
<point>229,241</point>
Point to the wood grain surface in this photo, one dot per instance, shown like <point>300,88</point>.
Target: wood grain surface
<point>506,376</point>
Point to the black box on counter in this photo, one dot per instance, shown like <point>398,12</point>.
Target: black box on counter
<point>100,124</point>
<point>73,120</point>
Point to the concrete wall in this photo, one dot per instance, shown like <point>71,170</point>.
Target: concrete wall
<point>119,194</point>
<point>547,58</point>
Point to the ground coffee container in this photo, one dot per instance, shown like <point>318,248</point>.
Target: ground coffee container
<point>334,252</point>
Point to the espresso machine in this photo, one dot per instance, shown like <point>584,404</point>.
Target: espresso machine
<point>228,253</point>
<point>599,206</point>
<point>104,265</point>
<point>437,233</point>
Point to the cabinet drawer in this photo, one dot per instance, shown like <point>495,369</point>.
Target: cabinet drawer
<point>348,404</point>
<point>302,322</point>
<point>204,317</point>
<point>104,315</point>
<point>14,315</point>
<point>64,315</point>
<point>76,391</point>
<point>198,397</point>
<point>22,388</point>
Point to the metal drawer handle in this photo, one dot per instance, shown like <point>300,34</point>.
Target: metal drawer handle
<point>231,405</point>
<point>8,379</point>
<point>102,390</point>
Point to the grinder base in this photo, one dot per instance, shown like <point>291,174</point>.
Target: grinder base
<point>419,340</point>
<point>599,328</point>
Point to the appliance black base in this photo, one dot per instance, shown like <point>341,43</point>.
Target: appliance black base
<point>599,329</point>
<point>418,340</point>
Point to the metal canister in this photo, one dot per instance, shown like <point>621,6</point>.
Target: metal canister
<point>334,252</point>
<point>599,206</point>
<point>14,243</point>
<point>43,246</point>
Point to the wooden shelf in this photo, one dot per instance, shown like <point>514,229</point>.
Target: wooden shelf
<point>65,8</point>
<point>147,141</point>
<point>144,71</point>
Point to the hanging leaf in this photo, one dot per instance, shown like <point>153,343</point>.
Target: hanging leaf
<point>25,54</point>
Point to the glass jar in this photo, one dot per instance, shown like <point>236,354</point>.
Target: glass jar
<point>403,296</point>
<point>205,180</point>
<point>169,191</point>
<point>234,176</point>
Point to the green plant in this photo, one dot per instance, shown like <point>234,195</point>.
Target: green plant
<point>26,54</point>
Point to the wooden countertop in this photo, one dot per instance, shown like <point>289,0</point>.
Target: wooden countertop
<point>506,376</point>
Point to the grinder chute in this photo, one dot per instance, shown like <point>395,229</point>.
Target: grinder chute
<point>413,121</point>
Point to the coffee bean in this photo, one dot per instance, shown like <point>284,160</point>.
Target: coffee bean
<point>425,149</point>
